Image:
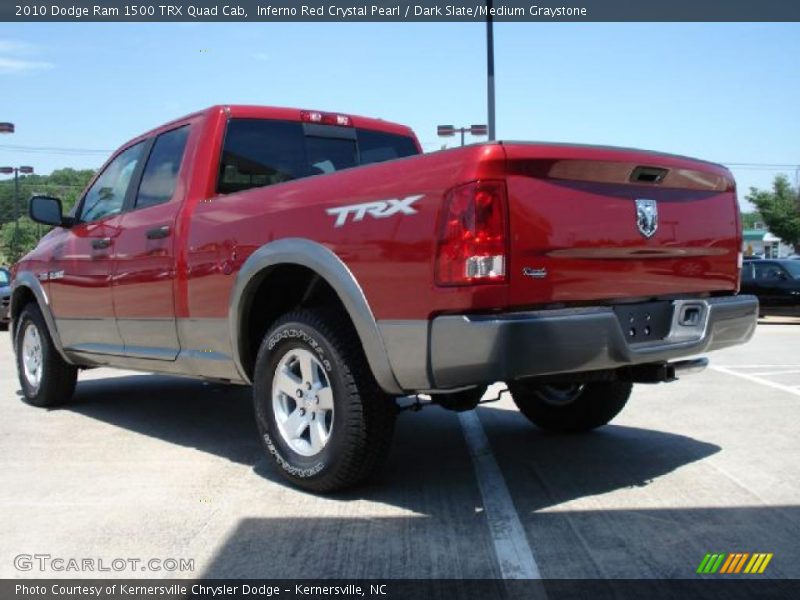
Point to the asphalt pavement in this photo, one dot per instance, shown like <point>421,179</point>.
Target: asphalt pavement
<point>150,467</point>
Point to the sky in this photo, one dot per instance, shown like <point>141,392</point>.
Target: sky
<point>727,93</point>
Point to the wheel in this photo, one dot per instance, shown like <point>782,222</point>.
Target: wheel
<point>322,417</point>
<point>570,407</point>
<point>46,379</point>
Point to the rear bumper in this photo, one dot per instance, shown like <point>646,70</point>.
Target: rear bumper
<point>470,350</point>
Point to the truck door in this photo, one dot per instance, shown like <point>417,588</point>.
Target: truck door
<point>768,277</point>
<point>144,277</point>
<point>80,272</point>
<point>782,290</point>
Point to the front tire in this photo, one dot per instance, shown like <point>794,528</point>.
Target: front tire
<point>322,417</point>
<point>46,379</point>
<point>571,408</point>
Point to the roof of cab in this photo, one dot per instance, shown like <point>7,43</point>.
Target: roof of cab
<point>247,111</point>
<point>294,114</point>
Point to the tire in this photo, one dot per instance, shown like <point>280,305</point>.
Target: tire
<point>338,431</point>
<point>46,379</point>
<point>570,408</point>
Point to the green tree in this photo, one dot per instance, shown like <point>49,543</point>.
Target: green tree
<point>749,219</point>
<point>66,184</point>
<point>20,237</point>
<point>780,208</point>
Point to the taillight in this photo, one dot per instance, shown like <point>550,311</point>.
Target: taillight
<point>472,244</point>
<point>315,116</point>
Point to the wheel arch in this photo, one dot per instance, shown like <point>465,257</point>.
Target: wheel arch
<point>320,262</point>
<point>26,288</point>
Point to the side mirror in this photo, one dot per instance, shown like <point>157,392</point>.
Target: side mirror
<point>47,210</point>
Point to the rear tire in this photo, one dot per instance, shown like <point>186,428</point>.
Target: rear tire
<point>570,408</point>
<point>46,379</point>
<point>321,415</point>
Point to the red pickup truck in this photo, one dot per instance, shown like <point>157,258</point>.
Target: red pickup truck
<point>322,259</point>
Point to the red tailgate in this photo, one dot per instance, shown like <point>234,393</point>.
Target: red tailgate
<point>577,233</point>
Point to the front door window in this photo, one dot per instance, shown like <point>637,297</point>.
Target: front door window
<point>107,194</point>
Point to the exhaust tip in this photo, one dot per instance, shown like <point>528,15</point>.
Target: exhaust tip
<point>689,367</point>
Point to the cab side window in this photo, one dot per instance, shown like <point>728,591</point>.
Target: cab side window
<point>107,195</point>
<point>161,171</point>
<point>261,152</point>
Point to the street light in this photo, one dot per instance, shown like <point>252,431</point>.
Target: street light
<point>490,70</point>
<point>16,171</point>
<point>450,131</point>
<point>25,170</point>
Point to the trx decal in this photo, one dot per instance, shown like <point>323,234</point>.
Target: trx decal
<point>378,209</point>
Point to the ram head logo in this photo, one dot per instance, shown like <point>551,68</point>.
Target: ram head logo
<point>646,216</point>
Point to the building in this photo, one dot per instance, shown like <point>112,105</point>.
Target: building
<point>760,242</point>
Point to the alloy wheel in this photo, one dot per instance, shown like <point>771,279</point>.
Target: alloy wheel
<point>302,402</point>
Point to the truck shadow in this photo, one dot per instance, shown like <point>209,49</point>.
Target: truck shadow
<point>440,529</point>
<point>211,417</point>
<point>601,548</point>
<point>428,453</point>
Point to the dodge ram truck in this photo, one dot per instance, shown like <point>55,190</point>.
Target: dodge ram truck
<point>322,259</point>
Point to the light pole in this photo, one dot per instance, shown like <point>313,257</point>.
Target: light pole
<point>16,171</point>
<point>450,131</point>
<point>6,127</point>
<point>490,69</point>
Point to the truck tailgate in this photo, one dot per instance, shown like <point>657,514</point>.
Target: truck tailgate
<point>591,223</point>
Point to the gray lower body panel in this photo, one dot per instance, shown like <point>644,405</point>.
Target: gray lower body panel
<point>464,350</point>
<point>406,344</point>
<point>149,338</point>
<point>205,350</point>
<point>80,332</point>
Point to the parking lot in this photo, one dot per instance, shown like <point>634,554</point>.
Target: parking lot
<point>144,466</point>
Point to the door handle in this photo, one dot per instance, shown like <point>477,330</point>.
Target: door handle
<point>159,233</point>
<point>101,243</point>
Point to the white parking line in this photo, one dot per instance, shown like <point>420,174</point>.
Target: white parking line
<point>778,386</point>
<point>794,366</point>
<point>514,554</point>
<point>763,373</point>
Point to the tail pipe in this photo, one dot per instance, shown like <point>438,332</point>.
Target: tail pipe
<point>688,367</point>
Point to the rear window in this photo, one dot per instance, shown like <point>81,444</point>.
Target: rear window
<point>326,155</point>
<point>259,152</point>
<point>376,146</point>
